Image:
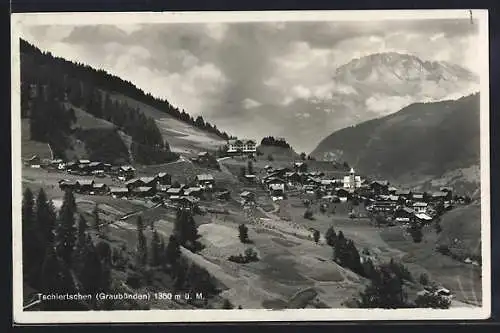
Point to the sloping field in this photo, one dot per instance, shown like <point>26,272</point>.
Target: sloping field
<point>182,137</point>
<point>29,147</point>
<point>463,279</point>
<point>85,120</point>
<point>462,230</point>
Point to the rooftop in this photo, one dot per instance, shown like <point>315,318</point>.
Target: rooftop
<point>204,177</point>
<point>143,189</point>
<point>118,189</point>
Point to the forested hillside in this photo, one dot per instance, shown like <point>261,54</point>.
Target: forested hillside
<point>422,141</point>
<point>54,92</point>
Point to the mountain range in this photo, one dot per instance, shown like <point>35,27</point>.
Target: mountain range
<point>363,89</point>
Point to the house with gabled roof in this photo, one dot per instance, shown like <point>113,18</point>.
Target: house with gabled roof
<point>205,180</point>
<point>85,185</point>
<point>118,191</point>
<point>144,191</point>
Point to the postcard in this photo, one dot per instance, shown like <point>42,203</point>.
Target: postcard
<point>250,166</point>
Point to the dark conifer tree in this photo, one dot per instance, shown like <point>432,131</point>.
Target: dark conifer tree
<point>32,244</point>
<point>155,249</point>
<point>330,236</point>
<point>385,291</point>
<point>172,251</point>
<point>142,249</point>
<point>65,231</point>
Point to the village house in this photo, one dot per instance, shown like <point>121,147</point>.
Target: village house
<point>173,191</point>
<point>277,191</point>
<point>118,192</point>
<point>164,178</point>
<point>126,171</point>
<point>300,166</point>
<point>327,184</point>
<point>247,197</point>
<point>404,193</point>
<point>392,190</point>
<point>223,195</point>
<point>250,178</point>
<point>420,206</point>
<point>245,146</point>
<point>449,192</point>
<point>196,192</point>
<point>342,193</point>
<point>293,178</point>
<point>417,196</point>
<point>93,166</point>
<point>383,206</point>
<point>143,191</point>
<point>423,218</point>
<point>439,196</point>
<point>65,184</point>
<point>84,185</point>
<point>34,161</point>
<point>148,182</point>
<point>132,183</point>
<point>379,187</point>
<point>99,188</point>
<point>187,202</point>
<point>71,166</point>
<point>404,214</point>
<point>56,163</point>
<point>85,162</point>
<point>205,181</point>
<point>274,181</point>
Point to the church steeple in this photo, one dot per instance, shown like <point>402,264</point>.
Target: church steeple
<point>352,171</point>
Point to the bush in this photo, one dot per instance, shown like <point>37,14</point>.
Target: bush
<point>243,233</point>
<point>430,300</point>
<point>443,249</point>
<point>308,214</point>
<point>316,235</point>
<point>424,279</point>
<point>227,304</point>
<point>330,236</point>
<point>270,158</point>
<point>416,233</point>
<point>250,256</point>
<point>134,280</point>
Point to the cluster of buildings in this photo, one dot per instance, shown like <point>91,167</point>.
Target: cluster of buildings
<point>407,205</point>
<point>400,205</point>
<point>297,177</point>
<point>83,167</point>
<point>157,187</point>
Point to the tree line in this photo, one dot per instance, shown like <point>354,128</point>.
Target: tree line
<point>272,141</point>
<point>48,67</point>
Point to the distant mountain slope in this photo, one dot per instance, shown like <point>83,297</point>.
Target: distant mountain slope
<point>418,144</point>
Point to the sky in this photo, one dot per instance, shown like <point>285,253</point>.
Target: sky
<point>220,70</point>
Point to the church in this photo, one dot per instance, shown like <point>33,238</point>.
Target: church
<point>352,182</point>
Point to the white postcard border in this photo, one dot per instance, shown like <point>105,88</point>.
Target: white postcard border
<point>244,315</point>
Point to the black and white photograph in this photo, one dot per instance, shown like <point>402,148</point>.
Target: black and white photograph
<point>218,166</point>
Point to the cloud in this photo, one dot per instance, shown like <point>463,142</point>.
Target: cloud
<point>249,103</point>
<point>221,70</point>
<point>385,104</point>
